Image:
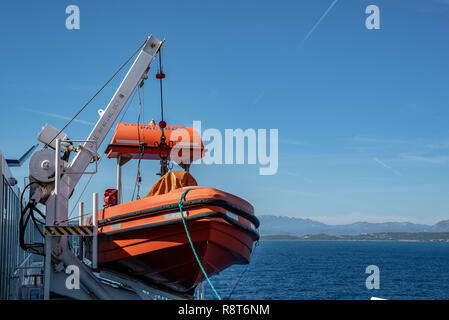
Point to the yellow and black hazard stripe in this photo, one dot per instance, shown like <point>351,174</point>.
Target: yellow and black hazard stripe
<point>69,231</point>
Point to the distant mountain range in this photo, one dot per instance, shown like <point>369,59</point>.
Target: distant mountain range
<point>274,225</point>
<point>380,236</point>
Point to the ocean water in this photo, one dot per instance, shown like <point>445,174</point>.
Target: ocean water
<point>315,270</point>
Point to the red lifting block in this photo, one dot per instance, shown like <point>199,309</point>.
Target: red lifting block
<point>110,197</point>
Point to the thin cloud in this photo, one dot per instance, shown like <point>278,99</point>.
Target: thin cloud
<point>381,140</point>
<point>295,175</point>
<point>439,145</point>
<point>59,116</point>
<point>417,144</point>
<point>293,142</point>
<point>320,20</point>
<point>386,166</point>
<point>433,159</point>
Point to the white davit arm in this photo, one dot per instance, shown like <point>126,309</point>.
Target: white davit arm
<point>109,115</point>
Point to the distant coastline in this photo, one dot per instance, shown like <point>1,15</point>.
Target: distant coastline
<point>380,236</point>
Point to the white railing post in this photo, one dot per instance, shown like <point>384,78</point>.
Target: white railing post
<point>81,223</point>
<point>81,213</point>
<point>95,231</point>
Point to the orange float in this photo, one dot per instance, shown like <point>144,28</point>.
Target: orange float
<point>142,141</point>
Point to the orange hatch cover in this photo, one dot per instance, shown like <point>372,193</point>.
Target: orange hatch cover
<point>143,141</point>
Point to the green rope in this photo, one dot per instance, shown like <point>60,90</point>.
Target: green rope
<point>193,248</point>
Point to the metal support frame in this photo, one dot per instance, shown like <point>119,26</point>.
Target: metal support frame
<point>51,221</point>
<point>143,290</point>
<point>119,180</point>
<point>47,268</point>
<point>93,153</point>
<point>57,177</point>
<point>50,240</point>
<point>121,161</point>
<point>94,285</point>
<point>65,182</point>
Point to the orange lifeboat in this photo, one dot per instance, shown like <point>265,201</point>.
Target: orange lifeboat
<point>146,238</point>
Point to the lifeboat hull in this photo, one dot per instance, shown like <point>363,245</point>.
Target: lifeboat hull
<point>146,238</point>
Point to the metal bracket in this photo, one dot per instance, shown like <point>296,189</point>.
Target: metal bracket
<point>92,153</point>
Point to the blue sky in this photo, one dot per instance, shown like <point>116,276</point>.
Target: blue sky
<point>362,114</point>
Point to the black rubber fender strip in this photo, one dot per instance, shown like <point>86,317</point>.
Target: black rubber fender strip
<point>254,233</point>
<point>186,204</point>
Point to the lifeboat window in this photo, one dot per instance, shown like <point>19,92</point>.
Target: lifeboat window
<point>114,226</point>
<point>174,215</point>
<point>233,216</point>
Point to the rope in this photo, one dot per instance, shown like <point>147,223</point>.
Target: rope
<point>141,148</point>
<point>160,84</point>
<point>129,103</point>
<point>93,97</point>
<point>191,244</point>
<point>241,275</point>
